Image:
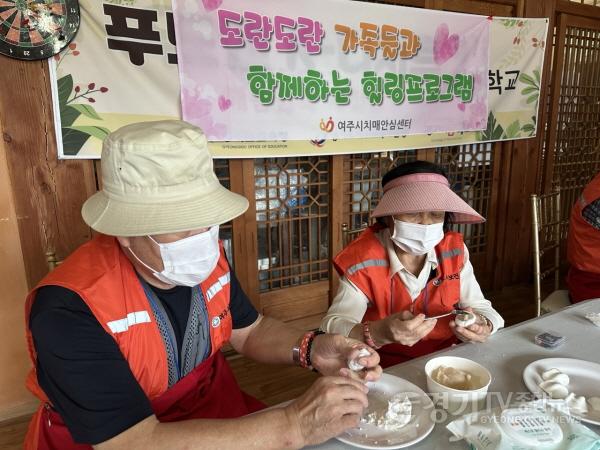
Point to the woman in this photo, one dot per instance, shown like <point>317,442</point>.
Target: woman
<point>408,267</point>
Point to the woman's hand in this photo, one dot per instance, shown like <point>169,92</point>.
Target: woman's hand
<point>405,328</point>
<point>330,354</point>
<point>478,332</point>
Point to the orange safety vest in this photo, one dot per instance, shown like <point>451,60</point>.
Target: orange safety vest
<point>583,248</point>
<point>100,273</point>
<point>366,264</point>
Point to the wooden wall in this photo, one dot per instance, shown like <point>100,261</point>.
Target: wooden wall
<point>40,202</point>
<point>41,197</point>
<point>14,400</point>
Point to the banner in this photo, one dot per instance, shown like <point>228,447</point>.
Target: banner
<point>122,68</point>
<point>316,69</point>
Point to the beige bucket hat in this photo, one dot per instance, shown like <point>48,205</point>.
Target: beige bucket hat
<point>157,178</point>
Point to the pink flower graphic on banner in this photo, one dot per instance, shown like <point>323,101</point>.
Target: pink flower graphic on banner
<point>198,111</point>
<point>224,103</point>
<point>475,115</point>
<point>211,5</point>
<point>445,45</point>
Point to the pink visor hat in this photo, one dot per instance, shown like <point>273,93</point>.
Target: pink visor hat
<point>424,192</point>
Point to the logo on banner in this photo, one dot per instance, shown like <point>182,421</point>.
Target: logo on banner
<point>328,126</point>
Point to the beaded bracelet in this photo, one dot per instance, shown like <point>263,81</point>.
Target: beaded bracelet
<point>368,337</point>
<point>304,347</point>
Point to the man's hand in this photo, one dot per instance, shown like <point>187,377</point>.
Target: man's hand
<point>328,408</point>
<point>406,329</point>
<point>478,332</point>
<point>331,352</point>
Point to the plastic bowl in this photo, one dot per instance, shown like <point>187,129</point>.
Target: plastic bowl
<point>458,401</point>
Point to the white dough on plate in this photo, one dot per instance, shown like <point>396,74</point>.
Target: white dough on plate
<point>397,415</point>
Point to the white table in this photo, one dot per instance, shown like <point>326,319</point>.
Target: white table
<point>505,355</point>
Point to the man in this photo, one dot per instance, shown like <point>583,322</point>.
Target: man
<point>125,334</point>
<point>583,246</point>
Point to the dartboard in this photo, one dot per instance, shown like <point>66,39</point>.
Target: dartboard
<point>37,29</point>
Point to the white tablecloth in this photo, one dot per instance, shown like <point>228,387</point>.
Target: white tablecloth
<point>505,355</point>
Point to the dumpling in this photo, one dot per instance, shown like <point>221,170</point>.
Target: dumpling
<point>554,390</point>
<point>576,403</point>
<point>465,319</point>
<point>453,378</point>
<point>557,376</point>
<point>594,403</point>
<point>594,318</point>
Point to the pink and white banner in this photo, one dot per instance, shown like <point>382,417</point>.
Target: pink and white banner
<point>329,69</point>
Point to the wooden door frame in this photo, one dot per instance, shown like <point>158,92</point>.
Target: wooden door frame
<point>244,230</point>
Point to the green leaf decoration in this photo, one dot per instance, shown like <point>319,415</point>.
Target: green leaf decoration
<point>533,98</point>
<point>68,115</point>
<point>509,23</point>
<point>494,130</point>
<point>524,78</point>
<point>65,87</point>
<point>536,73</point>
<point>528,128</point>
<point>87,111</point>
<point>97,132</point>
<point>513,130</point>
<point>73,140</point>
<point>529,90</point>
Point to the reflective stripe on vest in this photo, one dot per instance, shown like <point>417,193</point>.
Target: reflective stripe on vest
<point>218,286</point>
<point>450,253</point>
<point>134,318</point>
<point>368,263</point>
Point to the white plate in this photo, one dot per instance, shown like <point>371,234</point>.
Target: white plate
<point>373,437</point>
<point>584,380</point>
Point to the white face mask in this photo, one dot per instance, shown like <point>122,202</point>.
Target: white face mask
<point>416,238</point>
<point>189,261</point>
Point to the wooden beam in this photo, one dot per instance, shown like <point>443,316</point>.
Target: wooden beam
<point>241,173</point>
<point>486,8</point>
<point>336,207</point>
<point>48,192</point>
<point>517,171</point>
<point>557,73</point>
<point>426,154</point>
<point>413,3</point>
<point>502,181</point>
<point>577,9</point>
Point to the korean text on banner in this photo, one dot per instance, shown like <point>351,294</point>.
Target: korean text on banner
<point>283,69</point>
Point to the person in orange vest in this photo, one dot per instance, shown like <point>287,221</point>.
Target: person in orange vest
<point>125,335</point>
<point>583,245</point>
<point>408,268</point>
